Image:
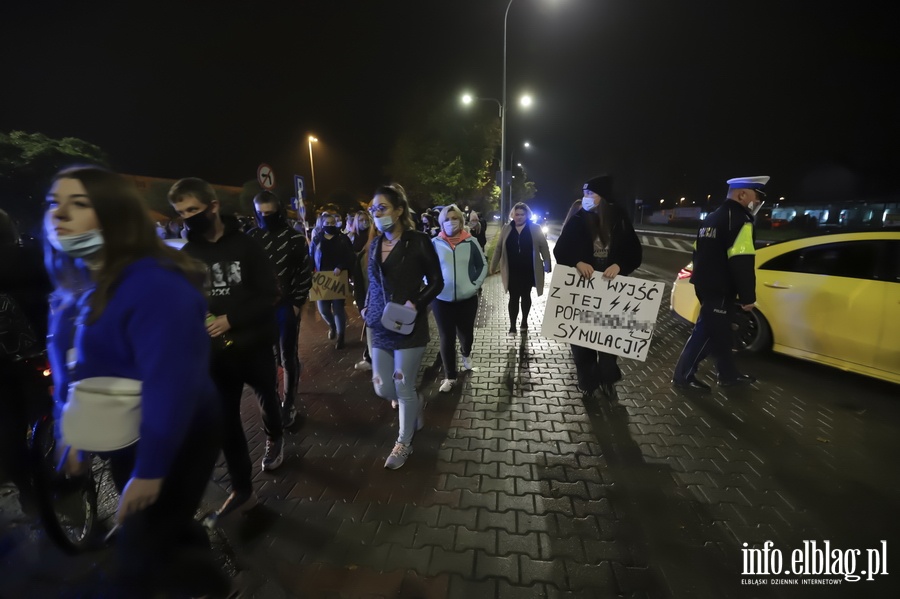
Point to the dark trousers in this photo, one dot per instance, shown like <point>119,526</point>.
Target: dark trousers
<point>594,368</point>
<point>455,319</point>
<point>288,335</point>
<point>163,548</point>
<point>519,292</point>
<point>712,334</point>
<point>231,368</point>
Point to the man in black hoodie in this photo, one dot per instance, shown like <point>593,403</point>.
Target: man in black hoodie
<point>242,326</point>
<point>288,253</point>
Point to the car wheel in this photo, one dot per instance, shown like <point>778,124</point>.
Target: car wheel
<point>751,331</point>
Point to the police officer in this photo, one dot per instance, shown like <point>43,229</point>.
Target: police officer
<point>724,262</point>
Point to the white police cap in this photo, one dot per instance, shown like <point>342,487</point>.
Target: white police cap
<point>755,183</point>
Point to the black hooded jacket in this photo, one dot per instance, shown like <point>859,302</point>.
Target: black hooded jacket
<point>576,245</point>
<point>241,284</point>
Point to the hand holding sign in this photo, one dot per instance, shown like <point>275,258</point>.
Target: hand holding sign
<point>614,315</point>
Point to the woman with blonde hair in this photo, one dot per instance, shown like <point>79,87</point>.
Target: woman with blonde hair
<point>464,268</point>
<point>522,256</point>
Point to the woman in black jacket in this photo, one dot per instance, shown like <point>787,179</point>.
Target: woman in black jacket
<point>403,268</point>
<point>599,237</point>
<point>332,251</point>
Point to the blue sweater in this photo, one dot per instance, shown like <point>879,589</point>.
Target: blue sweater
<point>152,330</point>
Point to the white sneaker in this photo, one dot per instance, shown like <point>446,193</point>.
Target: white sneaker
<point>467,363</point>
<point>398,456</point>
<point>362,365</point>
<point>446,385</point>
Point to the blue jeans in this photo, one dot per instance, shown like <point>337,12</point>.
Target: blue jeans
<point>334,313</point>
<point>394,374</point>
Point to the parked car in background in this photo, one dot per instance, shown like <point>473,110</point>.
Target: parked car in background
<point>832,299</point>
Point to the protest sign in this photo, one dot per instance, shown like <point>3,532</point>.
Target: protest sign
<point>616,316</point>
<point>328,286</point>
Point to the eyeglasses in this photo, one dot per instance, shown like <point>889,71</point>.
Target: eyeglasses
<point>379,208</point>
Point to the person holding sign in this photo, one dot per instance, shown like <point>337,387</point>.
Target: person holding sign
<point>403,269</point>
<point>332,251</point>
<point>522,256</point>
<point>598,238</point>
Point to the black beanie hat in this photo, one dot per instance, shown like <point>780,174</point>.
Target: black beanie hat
<point>601,185</point>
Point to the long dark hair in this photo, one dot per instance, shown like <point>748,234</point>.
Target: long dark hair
<point>601,221</point>
<point>128,235</point>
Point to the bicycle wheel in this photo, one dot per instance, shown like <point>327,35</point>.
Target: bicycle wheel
<point>76,511</point>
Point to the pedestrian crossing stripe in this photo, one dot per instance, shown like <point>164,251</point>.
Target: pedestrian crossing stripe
<point>667,243</point>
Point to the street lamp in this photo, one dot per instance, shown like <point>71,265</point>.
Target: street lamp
<point>512,160</point>
<point>312,167</point>
<point>525,101</point>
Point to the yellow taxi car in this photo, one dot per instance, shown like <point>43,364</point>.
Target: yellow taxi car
<point>832,299</point>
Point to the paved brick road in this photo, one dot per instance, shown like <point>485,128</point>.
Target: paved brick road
<point>517,488</point>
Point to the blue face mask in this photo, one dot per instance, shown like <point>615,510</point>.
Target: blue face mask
<point>77,246</point>
<point>587,203</point>
<point>384,223</point>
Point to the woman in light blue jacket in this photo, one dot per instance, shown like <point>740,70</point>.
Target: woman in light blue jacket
<point>464,268</point>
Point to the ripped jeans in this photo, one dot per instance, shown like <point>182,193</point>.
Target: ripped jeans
<point>394,374</point>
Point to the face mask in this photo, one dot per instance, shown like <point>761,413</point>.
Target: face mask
<point>273,222</point>
<point>199,223</point>
<point>77,246</point>
<point>756,207</point>
<point>384,223</point>
<point>451,228</point>
<point>587,203</point>
<point>340,224</point>
<point>331,229</point>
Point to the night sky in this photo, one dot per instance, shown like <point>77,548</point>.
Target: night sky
<point>670,97</point>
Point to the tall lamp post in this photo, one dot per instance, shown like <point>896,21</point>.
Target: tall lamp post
<point>312,167</point>
<point>525,101</point>
<point>503,198</point>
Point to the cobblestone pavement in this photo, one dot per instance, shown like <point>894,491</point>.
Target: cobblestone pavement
<point>520,488</point>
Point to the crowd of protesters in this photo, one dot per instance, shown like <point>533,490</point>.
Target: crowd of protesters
<point>232,297</point>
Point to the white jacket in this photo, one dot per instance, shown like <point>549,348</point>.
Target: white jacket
<point>464,268</point>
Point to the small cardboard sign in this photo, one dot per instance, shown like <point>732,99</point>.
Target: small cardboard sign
<point>616,316</point>
<point>328,286</point>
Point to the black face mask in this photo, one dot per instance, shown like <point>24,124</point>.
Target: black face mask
<point>273,222</point>
<point>199,223</point>
<point>331,229</point>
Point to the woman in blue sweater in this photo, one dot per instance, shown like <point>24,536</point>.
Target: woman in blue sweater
<point>129,306</point>
<point>464,268</point>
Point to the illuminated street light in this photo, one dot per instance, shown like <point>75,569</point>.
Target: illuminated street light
<point>525,101</point>
<point>312,167</point>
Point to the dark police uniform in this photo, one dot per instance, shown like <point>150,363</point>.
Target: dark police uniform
<point>724,261</point>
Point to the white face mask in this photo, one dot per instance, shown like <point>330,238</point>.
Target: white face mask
<point>451,227</point>
<point>384,223</point>
<point>587,203</point>
<point>755,207</point>
<point>77,246</point>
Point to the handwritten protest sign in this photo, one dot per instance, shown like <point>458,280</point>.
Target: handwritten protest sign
<point>615,316</point>
<point>329,286</point>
